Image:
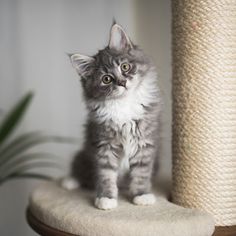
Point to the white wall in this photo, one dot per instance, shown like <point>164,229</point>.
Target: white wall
<point>153,33</point>
<point>34,38</point>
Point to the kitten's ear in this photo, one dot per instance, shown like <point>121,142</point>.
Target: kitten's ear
<point>81,63</point>
<point>119,40</point>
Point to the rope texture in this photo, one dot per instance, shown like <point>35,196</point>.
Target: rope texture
<point>204,107</point>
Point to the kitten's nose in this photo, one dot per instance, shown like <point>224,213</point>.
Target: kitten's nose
<point>122,83</point>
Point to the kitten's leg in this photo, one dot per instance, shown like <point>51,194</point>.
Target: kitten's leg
<point>141,167</point>
<point>107,173</point>
<point>83,169</point>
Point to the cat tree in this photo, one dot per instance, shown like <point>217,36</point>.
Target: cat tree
<point>204,107</point>
<point>204,142</point>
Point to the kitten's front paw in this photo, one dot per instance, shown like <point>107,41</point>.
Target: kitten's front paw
<point>105,203</point>
<point>144,199</point>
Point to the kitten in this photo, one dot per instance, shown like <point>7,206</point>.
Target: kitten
<point>124,103</point>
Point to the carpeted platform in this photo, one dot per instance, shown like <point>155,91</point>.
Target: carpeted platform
<point>73,212</point>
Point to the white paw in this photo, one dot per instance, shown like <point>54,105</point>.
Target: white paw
<point>145,199</point>
<point>69,183</point>
<point>105,203</point>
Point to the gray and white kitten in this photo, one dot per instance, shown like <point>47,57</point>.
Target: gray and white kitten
<point>123,100</point>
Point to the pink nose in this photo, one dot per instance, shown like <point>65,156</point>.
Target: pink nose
<point>122,83</point>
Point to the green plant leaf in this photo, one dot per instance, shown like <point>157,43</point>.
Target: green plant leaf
<point>26,167</point>
<point>27,175</point>
<point>19,145</point>
<point>27,141</point>
<point>14,116</point>
<point>27,158</point>
<point>6,147</point>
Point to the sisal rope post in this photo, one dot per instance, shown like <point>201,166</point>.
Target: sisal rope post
<point>204,107</point>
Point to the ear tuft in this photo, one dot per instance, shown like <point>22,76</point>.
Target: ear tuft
<point>119,41</point>
<point>81,63</point>
<point>114,21</point>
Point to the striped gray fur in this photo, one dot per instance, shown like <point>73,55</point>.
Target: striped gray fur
<point>123,119</point>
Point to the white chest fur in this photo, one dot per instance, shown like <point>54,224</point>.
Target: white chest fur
<point>130,144</point>
<point>122,110</point>
<point>130,106</point>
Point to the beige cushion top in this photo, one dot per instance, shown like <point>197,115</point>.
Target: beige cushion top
<point>73,212</point>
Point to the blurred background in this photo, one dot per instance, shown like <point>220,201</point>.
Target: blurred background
<point>34,39</point>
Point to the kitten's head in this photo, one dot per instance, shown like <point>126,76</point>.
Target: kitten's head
<point>114,71</point>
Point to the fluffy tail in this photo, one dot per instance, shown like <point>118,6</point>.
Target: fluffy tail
<point>69,183</point>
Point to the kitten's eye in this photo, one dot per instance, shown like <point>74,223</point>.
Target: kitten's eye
<point>125,67</point>
<point>107,79</point>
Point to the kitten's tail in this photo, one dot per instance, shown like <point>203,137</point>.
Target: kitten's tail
<point>69,183</point>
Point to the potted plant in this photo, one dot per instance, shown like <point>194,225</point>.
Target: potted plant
<point>17,160</point>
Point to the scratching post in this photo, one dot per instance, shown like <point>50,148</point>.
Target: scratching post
<point>204,107</point>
